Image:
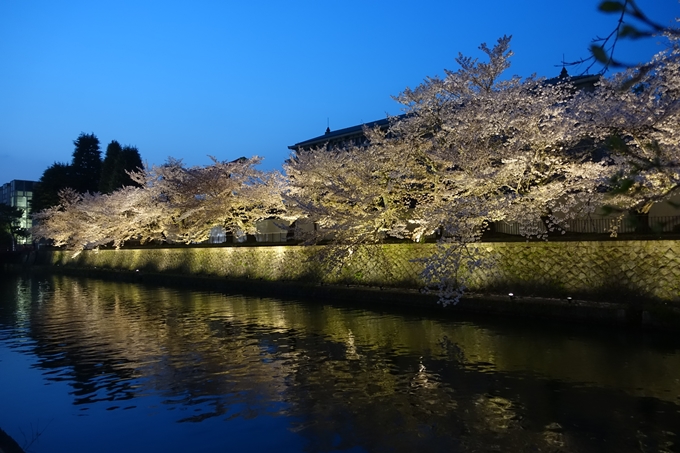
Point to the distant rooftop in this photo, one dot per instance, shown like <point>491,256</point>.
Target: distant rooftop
<point>339,135</point>
<point>582,82</point>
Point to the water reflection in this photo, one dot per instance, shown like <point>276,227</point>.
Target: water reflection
<point>341,378</point>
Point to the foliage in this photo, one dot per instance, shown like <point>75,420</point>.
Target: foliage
<point>172,203</point>
<point>108,164</point>
<point>86,164</point>
<point>498,149</point>
<point>55,178</point>
<point>118,162</point>
<point>82,174</point>
<point>10,226</point>
<point>87,172</point>
<point>635,115</point>
<point>354,195</point>
<point>128,161</point>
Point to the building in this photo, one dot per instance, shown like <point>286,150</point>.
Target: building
<point>19,193</point>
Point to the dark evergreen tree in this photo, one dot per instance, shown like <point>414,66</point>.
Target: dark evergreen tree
<point>128,160</point>
<point>56,177</point>
<point>108,167</point>
<point>86,164</point>
<point>117,163</point>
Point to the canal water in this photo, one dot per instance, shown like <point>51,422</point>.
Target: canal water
<point>96,366</point>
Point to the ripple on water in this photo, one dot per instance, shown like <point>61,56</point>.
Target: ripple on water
<point>338,378</point>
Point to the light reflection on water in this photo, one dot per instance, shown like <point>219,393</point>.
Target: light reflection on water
<point>135,368</point>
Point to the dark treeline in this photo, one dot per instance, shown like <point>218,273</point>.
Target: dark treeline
<point>87,172</point>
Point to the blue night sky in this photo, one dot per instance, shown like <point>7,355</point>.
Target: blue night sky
<point>229,79</point>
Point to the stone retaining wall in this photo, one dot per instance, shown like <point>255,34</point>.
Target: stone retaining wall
<point>604,270</point>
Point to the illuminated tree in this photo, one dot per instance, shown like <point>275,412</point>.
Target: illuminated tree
<point>635,114</point>
<point>173,203</point>
<point>474,147</point>
<point>233,195</point>
<point>354,195</point>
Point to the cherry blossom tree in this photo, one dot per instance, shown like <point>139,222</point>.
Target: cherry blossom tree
<point>233,195</point>
<point>635,115</point>
<point>355,195</point>
<point>71,222</point>
<point>173,204</point>
<point>471,148</point>
<point>476,147</point>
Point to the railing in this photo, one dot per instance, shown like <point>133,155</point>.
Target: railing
<point>630,224</point>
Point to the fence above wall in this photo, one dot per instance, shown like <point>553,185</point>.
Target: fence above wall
<point>641,225</point>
